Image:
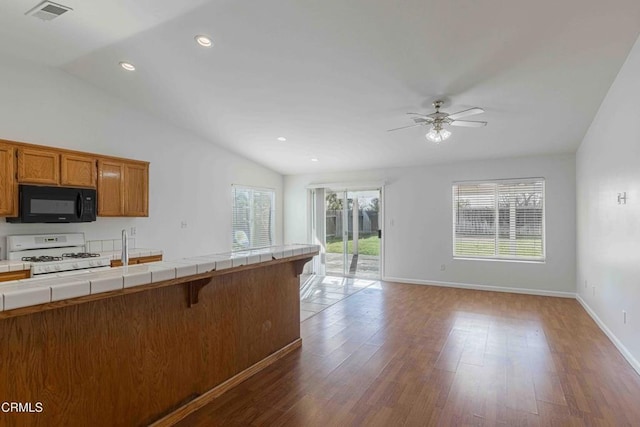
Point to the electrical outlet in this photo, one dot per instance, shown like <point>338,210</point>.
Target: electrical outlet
<point>585,284</point>
<point>594,291</point>
<point>132,231</point>
<point>624,317</point>
<point>443,267</point>
<point>183,224</point>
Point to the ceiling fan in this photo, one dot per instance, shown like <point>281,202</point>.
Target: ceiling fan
<point>437,120</point>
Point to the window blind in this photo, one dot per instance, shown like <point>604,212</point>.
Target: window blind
<point>499,219</point>
<point>253,219</point>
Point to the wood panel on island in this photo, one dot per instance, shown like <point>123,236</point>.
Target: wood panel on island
<point>176,353</point>
<point>122,184</point>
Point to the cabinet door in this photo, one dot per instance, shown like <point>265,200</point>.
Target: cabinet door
<point>136,189</point>
<point>151,258</point>
<point>118,262</point>
<point>36,166</point>
<point>15,275</point>
<point>110,188</point>
<point>8,189</point>
<point>78,171</point>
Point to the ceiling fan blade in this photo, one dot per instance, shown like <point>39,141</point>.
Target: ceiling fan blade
<point>423,120</point>
<point>418,114</point>
<point>468,124</point>
<point>464,113</point>
<point>410,126</point>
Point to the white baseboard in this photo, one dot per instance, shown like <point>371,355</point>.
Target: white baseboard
<point>614,339</point>
<point>482,287</point>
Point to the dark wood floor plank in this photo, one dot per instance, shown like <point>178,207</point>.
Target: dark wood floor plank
<point>408,355</point>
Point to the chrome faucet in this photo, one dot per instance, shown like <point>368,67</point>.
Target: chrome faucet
<point>125,249</point>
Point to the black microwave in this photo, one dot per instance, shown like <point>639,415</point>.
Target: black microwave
<point>55,204</point>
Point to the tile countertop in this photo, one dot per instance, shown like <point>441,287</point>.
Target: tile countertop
<point>133,253</point>
<point>6,266</point>
<point>40,290</point>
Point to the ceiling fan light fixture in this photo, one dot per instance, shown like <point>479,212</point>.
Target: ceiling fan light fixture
<point>436,120</point>
<point>437,134</point>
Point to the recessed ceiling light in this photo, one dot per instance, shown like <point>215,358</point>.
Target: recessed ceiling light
<point>314,159</point>
<point>128,66</point>
<point>282,139</point>
<point>204,41</point>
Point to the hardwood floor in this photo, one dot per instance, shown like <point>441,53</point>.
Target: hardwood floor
<point>395,354</point>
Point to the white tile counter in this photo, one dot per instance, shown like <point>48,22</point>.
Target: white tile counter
<point>133,253</point>
<point>7,266</point>
<point>50,288</point>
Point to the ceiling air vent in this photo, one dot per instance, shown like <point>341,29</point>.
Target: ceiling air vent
<point>48,10</point>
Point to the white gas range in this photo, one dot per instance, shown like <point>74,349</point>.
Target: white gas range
<point>63,253</point>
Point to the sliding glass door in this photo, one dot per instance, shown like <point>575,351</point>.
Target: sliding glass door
<point>352,232</point>
<point>336,234</point>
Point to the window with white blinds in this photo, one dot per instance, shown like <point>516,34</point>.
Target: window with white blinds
<point>253,220</point>
<point>499,219</point>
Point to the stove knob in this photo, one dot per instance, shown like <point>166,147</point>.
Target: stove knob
<point>58,267</point>
<point>47,268</point>
<point>75,265</point>
<point>92,263</point>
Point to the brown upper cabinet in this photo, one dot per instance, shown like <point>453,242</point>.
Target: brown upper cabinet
<point>51,167</point>
<point>8,190</point>
<point>110,188</point>
<point>123,188</point>
<point>78,170</point>
<point>136,189</point>
<point>122,184</point>
<point>38,166</point>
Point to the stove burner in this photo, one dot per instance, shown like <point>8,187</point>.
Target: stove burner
<point>43,258</point>
<point>81,255</point>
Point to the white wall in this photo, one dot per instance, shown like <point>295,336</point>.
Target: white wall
<point>190,178</point>
<point>608,249</point>
<point>418,222</point>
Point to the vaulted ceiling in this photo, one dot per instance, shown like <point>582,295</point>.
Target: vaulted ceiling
<point>332,76</point>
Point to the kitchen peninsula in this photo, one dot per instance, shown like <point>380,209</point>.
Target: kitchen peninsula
<point>146,343</point>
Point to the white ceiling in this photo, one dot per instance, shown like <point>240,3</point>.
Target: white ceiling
<point>91,25</point>
<point>332,76</point>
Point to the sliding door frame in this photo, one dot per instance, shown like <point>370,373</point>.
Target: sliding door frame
<point>316,213</point>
